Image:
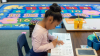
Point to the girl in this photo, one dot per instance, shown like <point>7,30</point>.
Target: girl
<point>40,35</point>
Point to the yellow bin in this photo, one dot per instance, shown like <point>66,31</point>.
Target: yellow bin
<point>80,24</point>
<point>76,24</point>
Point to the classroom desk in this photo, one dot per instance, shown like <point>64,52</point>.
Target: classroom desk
<point>78,38</point>
<point>89,23</point>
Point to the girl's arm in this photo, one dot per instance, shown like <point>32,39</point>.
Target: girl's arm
<point>36,43</point>
<point>51,37</point>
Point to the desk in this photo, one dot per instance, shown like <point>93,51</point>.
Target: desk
<point>89,22</point>
<point>78,38</point>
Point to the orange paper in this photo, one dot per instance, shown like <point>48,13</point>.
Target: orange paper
<point>71,20</point>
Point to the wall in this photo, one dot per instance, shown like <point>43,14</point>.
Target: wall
<point>57,0</point>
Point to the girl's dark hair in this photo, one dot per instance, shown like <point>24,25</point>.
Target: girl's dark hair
<point>55,11</point>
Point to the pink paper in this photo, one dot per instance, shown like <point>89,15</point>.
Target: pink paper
<point>23,32</point>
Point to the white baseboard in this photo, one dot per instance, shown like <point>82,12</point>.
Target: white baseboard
<point>3,1</point>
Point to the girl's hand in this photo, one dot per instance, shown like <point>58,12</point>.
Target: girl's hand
<point>55,42</point>
<point>60,42</point>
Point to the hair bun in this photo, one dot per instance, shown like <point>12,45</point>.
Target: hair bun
<point>55,7</point>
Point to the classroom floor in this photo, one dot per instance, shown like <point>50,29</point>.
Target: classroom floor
<point>8,41</point>
<point>8,38</point>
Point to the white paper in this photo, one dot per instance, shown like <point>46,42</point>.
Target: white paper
<point>85,47</point>
<point>65,49</point>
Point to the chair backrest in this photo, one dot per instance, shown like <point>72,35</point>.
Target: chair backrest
<point>77,17</point>
<point>22,41</point>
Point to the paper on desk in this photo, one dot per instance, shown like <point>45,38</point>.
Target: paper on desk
<point>85,47</point>
<point>65,49</point>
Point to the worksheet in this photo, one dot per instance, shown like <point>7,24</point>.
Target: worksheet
<point>63,50</point>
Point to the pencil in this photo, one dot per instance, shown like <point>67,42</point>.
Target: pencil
<point>96,36</point>
<point>57,37</point>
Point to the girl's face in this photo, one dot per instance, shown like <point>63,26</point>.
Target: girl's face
<point>50,24</point>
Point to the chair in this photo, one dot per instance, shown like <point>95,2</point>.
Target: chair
<point>22,41</point>
<point>77,17</point>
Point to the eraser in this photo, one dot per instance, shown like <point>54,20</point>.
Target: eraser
<point>23,32</point>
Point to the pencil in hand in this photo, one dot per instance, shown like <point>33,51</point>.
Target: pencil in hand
<point>57,37</point>
<point>57,40</point>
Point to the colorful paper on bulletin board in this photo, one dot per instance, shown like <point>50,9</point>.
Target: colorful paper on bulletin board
<point>71,20</point>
